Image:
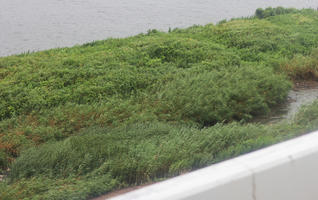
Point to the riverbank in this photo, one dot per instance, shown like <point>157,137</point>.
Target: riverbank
<point>83,121</point>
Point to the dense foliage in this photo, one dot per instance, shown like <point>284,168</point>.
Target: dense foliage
<point>78,122</point>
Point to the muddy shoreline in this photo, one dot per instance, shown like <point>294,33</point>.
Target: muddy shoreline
<point>302,93</point>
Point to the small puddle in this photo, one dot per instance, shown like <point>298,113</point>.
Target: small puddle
<point>300,98</point>
<point>304,93</point>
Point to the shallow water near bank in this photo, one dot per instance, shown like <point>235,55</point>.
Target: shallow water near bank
<point>301,95</point>
<point>43,24</point>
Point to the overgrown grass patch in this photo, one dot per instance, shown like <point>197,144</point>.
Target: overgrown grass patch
<point>100,160</point>
<point>302,67</point>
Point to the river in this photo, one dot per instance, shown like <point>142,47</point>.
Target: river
<point>32,25</point>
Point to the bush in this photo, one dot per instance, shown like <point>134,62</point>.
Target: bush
<point>184,52</point>
<point>215,96</point>
<point>308,115</point>
<point>268,12</point>
<point>302,67</point>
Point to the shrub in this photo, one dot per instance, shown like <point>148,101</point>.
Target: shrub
<point>268,12</point>
<point>185,52</point>
<point>302,67</point>
<point>227,95</point>
<point>308,115</point>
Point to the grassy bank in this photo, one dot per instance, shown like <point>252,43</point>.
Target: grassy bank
<point>78,122</point>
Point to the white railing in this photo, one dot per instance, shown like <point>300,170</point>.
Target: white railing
<point>286,171</point>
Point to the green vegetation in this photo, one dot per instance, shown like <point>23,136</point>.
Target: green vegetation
<point>302,67</point>
<point>268,12</point>
<point>82,121</point>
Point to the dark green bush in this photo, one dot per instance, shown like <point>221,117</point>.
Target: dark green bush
<point>268,12</point>
<point>234,94</point>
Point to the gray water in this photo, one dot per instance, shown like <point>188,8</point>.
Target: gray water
<point>31,25</point>
<point>297,98</point>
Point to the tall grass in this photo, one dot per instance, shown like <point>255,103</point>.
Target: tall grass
<point>137,154</point>
<point>302,67</point>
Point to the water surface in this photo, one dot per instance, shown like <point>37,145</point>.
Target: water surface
<point>296,99</point>
<point>42,24</point>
